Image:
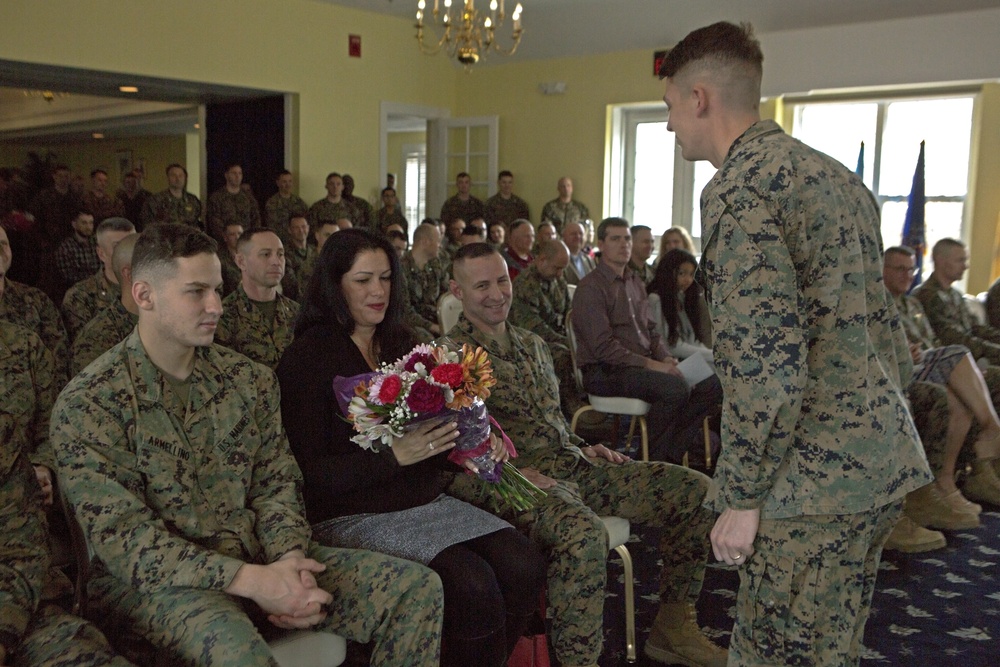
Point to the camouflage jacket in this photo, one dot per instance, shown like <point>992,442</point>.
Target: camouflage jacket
<point>27,391</point>
<point>498,209</point>
<point>279,211</point>
<point>34,311</point>
<point>24,555</point>
<point>915,323</point>
<point>540,305</point>
<point>231,274</point>
<point>178,496</point>
<point>164,207</point>
<point>225,208</point>
<point>426,286</point>
<point>325,211</point>
<point>952,322</point>
<point>303,262</point>
<point>559,213</point>
<point>243,328</point>
<point>808,344</point>
<point>525,400</point>
<point>362,213</point>
<point>468,209</point>
<point>87,298</point>
<point>644,271</point>
<point>108,328</point>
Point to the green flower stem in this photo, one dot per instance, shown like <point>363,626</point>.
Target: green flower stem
<point>515,491</point>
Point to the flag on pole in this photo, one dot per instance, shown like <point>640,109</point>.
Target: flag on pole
<point>914,230</point>
<point>860,169</point>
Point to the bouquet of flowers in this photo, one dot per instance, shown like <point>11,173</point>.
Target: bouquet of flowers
<point>430,382</point>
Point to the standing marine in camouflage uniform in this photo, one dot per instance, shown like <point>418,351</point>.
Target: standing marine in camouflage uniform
<point>231,205</point>
<point>564,208</point>
<point>110,326</point>
<point>332,207</point>
<point>945,307</point>
<point>89,296</point>
<point>818,446</point>
<point>33,310</point>
<point>256,320</point>
<point>584,482</point>
<point>175,204</point>
<point>282,206</point>
<point>173,457</point>
<point>362,213</point>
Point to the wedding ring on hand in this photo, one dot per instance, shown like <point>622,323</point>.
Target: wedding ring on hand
<point>430,445</point>
<point>737,556</point>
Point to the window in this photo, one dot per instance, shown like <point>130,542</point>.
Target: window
<point>892,130</point>
<point>414,185</point>
<point>651,183</point>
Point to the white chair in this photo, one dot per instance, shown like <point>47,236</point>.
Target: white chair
<point>619,530</point>
<point>299,648</point>
<point>449,308</point>
<point>612,405</point>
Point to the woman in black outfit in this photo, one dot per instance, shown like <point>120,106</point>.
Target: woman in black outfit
<point>393,501</point>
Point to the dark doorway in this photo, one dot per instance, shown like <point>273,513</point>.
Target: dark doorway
<point>251,132</point>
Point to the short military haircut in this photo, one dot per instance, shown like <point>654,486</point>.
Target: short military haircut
<point>423,232</point>
<point>176,166</point>
<point>551,248</point>
<point>472,230</point>
<point>462,174</point>
<point>331,175</point>
<point>396,235</point>
<point>230,165</point>
<point>248,235</point>
<point>389,189</point>
<point>429,221</point>
<point>60,167</point>
<point>503,173</point>
<point>473,251</point>
<point>160,246</point>
<point>906,251</point>
<point>640,228</point>
<point>602,229</point>
<point>121,256</point>
<point>723,42</point>
<point>945,245</point>
<point>95,172</point>
<point>520,222</point>
<point>283,172</point>
<point>114,225</point>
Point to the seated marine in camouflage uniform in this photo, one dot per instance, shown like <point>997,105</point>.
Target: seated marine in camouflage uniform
<point>89,296</point>
<point>32,309</point>
<point>114,323</point>
<point>256,320</point>
<point>173,457</point>
<point>583,482</point>
<point>541,301</point>
<point>426,278</point>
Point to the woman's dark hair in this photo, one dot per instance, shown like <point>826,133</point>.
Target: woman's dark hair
<point>325,303</point>
<point>665,285</point>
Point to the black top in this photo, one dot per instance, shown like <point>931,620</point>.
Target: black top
<point>341,478</point>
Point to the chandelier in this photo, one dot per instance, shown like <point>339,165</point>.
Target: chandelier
<point>468,34</point>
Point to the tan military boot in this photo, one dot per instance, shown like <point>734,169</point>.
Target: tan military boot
<point>676,639</point>
<point>928,508</point>
<point>910,538</point>
<point>983,484</point>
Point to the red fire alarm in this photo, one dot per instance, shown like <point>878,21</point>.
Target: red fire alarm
<point>354,46</point>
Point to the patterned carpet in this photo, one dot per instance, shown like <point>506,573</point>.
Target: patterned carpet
<point>940,608</point>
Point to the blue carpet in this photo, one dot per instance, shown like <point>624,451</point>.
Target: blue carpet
<point>940,608</point>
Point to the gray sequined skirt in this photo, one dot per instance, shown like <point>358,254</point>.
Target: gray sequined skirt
<point>938,363</point>
<point>418,534</point>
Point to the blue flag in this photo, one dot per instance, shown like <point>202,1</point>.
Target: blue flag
<point>860,169</point>
<point>914,230</point>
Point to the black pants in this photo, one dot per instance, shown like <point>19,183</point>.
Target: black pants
<point>491,587</point>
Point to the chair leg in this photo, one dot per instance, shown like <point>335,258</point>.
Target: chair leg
<point>708,444</point>
<point>629,603</point>
<point>576,416</point>
<point>631,433</point>
<point>644,431</point>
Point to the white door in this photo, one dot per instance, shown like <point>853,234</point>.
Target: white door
<point>455,145</point>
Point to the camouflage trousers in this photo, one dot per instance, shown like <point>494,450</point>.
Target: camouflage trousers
<point>57,639</point>
<point>396,603</point>
<point>567,527</point>
<point>806,591</point>
<point>929,406</point>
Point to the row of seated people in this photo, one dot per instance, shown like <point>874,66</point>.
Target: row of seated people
<point>172,452</point>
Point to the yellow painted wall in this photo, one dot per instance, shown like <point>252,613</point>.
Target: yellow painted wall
<point>295,46</point>
<point>984,190</point>
<point>83,156</point>
<point>545,137</point>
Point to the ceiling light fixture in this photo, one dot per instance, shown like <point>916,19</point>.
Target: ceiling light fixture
<point>468,34</point>
<point>128,89</point>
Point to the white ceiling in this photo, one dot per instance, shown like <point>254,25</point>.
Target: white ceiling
<point>560,28</point>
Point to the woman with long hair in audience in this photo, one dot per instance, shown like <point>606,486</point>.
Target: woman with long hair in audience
<point>675,237</point>
<point>677,306</point>
<point>393,501</point>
